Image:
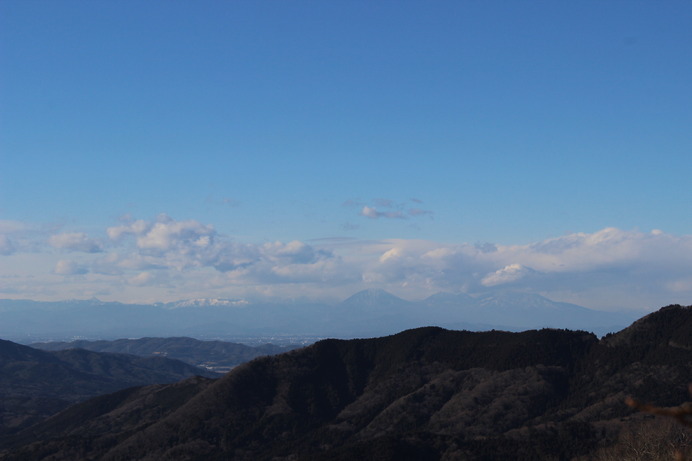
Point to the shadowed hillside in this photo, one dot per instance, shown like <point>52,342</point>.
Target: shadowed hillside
<point>35,384</point>
<point>426,393</point>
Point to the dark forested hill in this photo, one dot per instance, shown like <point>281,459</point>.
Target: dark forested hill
<point>35,383</point>
<point>427,393</point>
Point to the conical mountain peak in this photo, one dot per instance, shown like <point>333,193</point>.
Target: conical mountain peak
<point>374,297</point>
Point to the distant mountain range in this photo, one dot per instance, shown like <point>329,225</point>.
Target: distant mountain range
<point>371,312</point>
<point>218,356</point>
<point>422,394</point>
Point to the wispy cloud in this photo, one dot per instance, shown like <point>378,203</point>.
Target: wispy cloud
<point>231,202</point>
<point>349,226</point>
<point>9,227</point>
<point>372,213</point>
<point>352,203</point>
<point>389,209</point>
<point>385,203</point>
<point>6,245</point>
<point>64,267</point>
<point>75,241</point>
<point>16,236</point>
<point>419,212</point>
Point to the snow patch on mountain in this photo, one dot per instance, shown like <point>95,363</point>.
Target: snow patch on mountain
<point>207,302</point>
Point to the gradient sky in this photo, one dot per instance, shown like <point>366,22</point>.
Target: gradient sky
<point>154,151</point>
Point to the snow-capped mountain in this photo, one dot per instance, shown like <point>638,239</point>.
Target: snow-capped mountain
<point>206,302</point>
<point>372,312</point>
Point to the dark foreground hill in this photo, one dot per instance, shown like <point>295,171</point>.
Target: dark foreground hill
<point>35,384</point>
<point>426,393</point>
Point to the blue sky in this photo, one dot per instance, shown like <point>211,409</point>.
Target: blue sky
<point>307,140</point>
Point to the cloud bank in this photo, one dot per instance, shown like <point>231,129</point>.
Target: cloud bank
<point>165,259</point>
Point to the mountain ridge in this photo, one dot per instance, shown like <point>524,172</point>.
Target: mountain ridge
<point>367,313</point>
<point>425,393</point>
<point>211,355</point>
<point>36,383</point>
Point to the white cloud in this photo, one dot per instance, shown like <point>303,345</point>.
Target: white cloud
<point>141,279</point>
<point>75,241</point>
<point>372,213</point>
<point>137,227</point>
<point>607,248</point>
<point>6,245</point>
<point>369,212</point>
<point>166,244</point>
<point>508,274</point>
<point>607,261</point>
<point>295,252</point>
<point>64,267</point>
<point>293,262</point>
<point>325,270</point>
<point>9,227</point>
<point>397,210</point>
<point>230,256</point>
<point>391,255</point>
<point>166,235</point>
<point>116,263</point>
<point>16,236</point>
